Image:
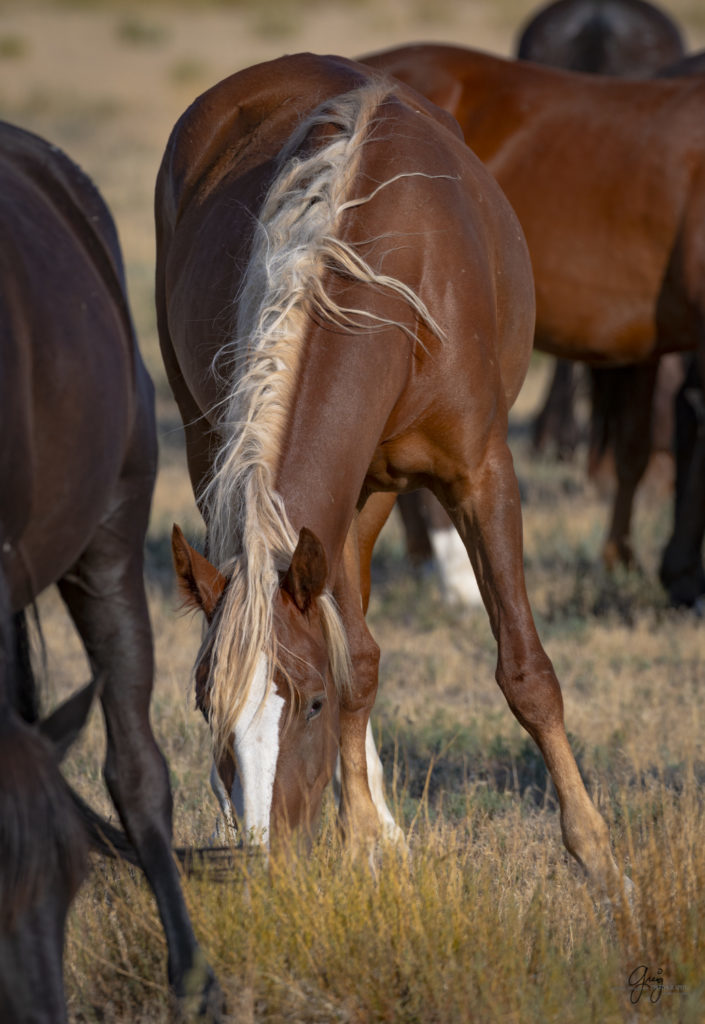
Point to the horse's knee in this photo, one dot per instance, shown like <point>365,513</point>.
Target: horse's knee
<point>138,777</point>
<point>534,697</point>
<point>364,654</point>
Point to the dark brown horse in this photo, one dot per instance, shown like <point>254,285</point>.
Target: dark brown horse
<point>77,469</point>
<point>630,39</point>
<point>346,311</point>
<point>693,64</point>
<point>608,180</point>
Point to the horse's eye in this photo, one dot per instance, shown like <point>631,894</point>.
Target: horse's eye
<point>314,708</point>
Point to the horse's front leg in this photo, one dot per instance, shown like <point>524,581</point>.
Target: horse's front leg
<point>486,510</point>
<point>363,810</point>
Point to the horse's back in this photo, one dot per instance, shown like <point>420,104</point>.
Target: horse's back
<point>73,384</point>
<point>604,175</point>
<point>223,156</point>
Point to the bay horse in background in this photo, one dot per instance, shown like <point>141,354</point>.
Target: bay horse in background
<point>76,479</point>
<point>629,39</point>
<point>345,310</point>
<point>618,257</point>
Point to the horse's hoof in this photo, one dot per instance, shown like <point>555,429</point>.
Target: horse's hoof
<point>618,553</point>
<point>199,996</point>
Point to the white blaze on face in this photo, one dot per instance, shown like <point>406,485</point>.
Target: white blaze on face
<point>256,749</point>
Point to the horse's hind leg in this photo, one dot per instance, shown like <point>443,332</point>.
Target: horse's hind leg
<point>432,538</point>
<point>682,563</point>
<point>105,595</point>
<point>486,510</point>
<point>556,422</point>
<point>630,421</point>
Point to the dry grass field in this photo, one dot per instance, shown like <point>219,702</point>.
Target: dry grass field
<point>486,919</point>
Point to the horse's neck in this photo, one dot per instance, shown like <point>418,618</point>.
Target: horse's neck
<point>347,387</point>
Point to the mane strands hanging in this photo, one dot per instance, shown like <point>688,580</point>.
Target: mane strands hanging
<point>296,240</point>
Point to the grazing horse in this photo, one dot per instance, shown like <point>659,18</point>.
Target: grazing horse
<point>608,180</point>
<point>346,311</point>
<point>75,492</point>
<point>630,39</point>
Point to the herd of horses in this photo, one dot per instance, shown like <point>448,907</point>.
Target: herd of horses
<point>347,303</point>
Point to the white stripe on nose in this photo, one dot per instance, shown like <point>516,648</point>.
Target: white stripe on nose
<point>256,749</point>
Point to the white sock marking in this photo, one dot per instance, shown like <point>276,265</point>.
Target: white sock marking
<point>375,780</point>
<point>457,577</point>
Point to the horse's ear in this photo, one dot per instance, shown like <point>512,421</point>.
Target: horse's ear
<point>64,724</point>
<point>305,578</point>
<point>200,583</point>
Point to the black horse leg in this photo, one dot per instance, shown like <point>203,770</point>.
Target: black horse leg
<point>556,421</point>
<point>106,598</point>
<point>682,570</point>
<point>630,426</point>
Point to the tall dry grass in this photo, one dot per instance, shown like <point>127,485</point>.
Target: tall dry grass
<point>486,918</point>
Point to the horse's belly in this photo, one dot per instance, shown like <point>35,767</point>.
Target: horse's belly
<point>594,320</point>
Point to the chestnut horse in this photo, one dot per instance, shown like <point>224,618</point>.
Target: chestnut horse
<point>608,180</point>
<point>76,476</point>
<point>346,311</point>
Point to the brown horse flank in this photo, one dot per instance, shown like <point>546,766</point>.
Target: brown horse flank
<point>75,491</point>
<point>607,178</point>
<point>346,311</point>
<point>631,39</point>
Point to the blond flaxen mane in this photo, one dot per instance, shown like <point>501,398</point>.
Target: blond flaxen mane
<point>250,537</point>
